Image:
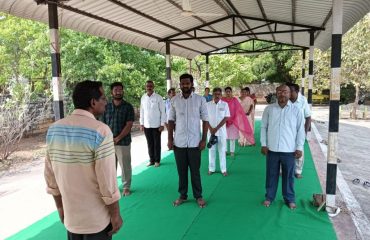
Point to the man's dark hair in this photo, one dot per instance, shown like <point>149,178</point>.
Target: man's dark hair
<point>171,90</point>
<point>84,92</point>
<point>247,89</point>
<point>116,84</point>
<point>187,75</point>
<point>149,81</point>
<point>217,89</point>
<point>207,88</point>
<point>228,88</point>
<point>293,86</point>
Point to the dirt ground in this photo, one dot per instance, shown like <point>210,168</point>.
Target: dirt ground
<point>31,152</point>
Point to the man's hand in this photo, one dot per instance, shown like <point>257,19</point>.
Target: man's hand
<point>297,154</point>
<point>116,140</point>
<point>161,128</point>
<point>61,214</point>
<point>264,150</point>
<point>170,144</point>
<point>142,128</point>
<point>116,222</point>
<point>202,145</point>
<point>213,130</point>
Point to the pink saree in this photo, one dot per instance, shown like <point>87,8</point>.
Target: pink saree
<point>238,119</point>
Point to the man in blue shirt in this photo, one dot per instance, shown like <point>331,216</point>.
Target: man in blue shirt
<point>207,95</point>
<point>282,140</point>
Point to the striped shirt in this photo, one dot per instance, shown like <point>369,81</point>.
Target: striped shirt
<point>80,166</point>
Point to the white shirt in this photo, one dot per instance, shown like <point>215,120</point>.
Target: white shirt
<point>282,129</point>
<point>187,113</point>
<point>302,104</point>
<point>152,111</point>
<point>216,113</point>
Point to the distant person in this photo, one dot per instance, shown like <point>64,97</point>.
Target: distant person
<point>119,115</point>
<point>247,104</point>
<point>152,121</point>
<point>80,168</point>
<point>187,110</point>
<point>301,102</point>
<point>218,112</point>
<point>207,95</point>
<point>167,102</point>
<point>282,139</point>
<point>237,121</point>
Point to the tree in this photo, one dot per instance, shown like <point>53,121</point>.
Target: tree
<point>356,58</point>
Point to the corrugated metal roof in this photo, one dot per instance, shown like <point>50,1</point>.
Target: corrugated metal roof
<point>145,22</point>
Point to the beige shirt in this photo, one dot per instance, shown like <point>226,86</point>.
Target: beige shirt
<point>80,166</point>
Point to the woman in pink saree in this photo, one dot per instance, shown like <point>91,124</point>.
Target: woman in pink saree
<point>237,121</point>
<point>247,104</point>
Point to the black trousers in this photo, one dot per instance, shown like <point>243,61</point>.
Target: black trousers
<point>153,139</point>
<point>188,158</point>
<point>103,235</point>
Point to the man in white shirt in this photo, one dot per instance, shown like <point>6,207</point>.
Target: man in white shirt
<point>218,113</point>
<point>187,109</point>
<point>282,140</point>
<point>301,102</point>
<point>152,120</point>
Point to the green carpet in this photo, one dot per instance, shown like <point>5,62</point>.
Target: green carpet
<point>234,209</point>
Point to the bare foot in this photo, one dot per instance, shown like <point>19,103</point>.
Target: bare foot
<point>210,172</point>
<point>156,164</point>
<point>178,202</point>
<point>201,202</point>
<point>126,192</point>
<point>266,203</point>
<point>292,205</point>
<point>149,164</point>
<point>297,175</point>
<point>225,174</point>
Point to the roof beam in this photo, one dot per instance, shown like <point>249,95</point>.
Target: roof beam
<point>131,9</point>
<point>325,22</point>
<point>196,17</point>
<point>231,35</point>
<point>258,40</point>
<point>264,16</point>
<point>256,52</point>
<point>86,14</point>
<point>238,13</point>
<point>225,8</point>
<point>307,28</point>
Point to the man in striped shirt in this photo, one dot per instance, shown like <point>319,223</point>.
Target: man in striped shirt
<point>80,168</point>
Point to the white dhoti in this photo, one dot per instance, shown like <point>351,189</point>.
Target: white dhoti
<point>221,147</point>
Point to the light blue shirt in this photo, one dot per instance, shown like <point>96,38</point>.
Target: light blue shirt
<point>187,113</point>
<point>282,129</point>
<point>302,104</point>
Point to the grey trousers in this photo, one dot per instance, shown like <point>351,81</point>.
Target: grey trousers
<point>123,154</point>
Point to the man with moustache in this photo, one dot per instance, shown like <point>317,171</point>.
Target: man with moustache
<point>187,109</point>
<point>152,121</point>
<point>282,139</point>
<point>80,168</point>
<point>119,116</point>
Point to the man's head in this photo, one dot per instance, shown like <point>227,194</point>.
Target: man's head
<point>206,91</point>
<point>228,92</point>
<point>171,92</point>
<point>283,94</point>
<point>294,90</point>
<point>89,95</point>
<point>217,94</point>
<point>117,90</point>
<point>149,86</point>
<point>186,83</point>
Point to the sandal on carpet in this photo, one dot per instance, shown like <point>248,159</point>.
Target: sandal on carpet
<point>178,202</point>
<point>201,202</point>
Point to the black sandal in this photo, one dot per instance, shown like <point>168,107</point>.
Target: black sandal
<point>366,184</point>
